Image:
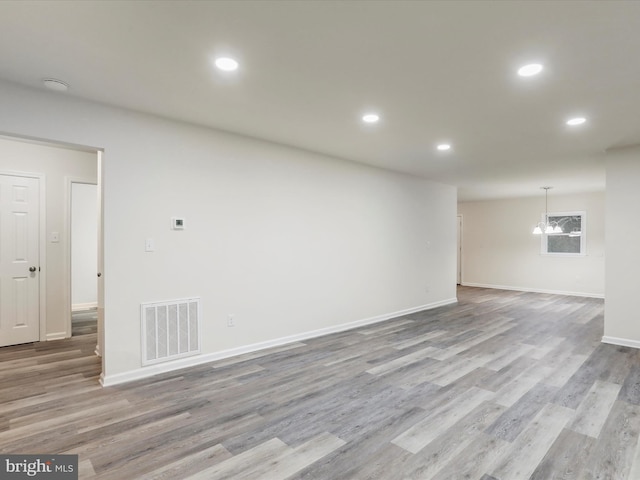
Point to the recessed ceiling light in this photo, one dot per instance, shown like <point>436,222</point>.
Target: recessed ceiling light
<point>371,118</point>
<point>226,64</point>
<point>530,70</point>
<point>54,84</point>
<point>576,121</point>
<point>444,147</point>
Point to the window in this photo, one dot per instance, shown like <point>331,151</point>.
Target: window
<point>572,239</point>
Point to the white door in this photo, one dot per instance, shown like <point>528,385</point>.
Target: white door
<point>19,260</point>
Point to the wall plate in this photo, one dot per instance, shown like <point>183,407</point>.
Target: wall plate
<point>177,223</point>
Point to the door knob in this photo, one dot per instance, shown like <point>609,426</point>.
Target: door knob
<point>99,274</point>
<point>32,269</point>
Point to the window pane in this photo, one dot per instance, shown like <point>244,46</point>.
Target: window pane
<point>563,244</point>
<point>569,240</point>
<point>568,224</point>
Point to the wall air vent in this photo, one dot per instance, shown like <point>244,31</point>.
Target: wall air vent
<point>170,330</point>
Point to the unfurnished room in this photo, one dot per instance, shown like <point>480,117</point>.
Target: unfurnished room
<point>319,239</point>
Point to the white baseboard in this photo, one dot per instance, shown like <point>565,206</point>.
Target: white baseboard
<point>78,307</point>
<point>623,342</point>
<point>56,336</point>
<point>533,290</point>
<point>144,372</point>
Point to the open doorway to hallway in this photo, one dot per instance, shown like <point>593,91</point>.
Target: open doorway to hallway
<point>84,257</point>
<point>56,167</point>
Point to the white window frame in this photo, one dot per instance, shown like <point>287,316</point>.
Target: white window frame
<point>544,245</point>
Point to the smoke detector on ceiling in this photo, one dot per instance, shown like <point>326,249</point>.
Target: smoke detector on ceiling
<point>55,84</point>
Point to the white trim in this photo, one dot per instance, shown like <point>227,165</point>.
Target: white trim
<point>100,347</point>
<point>56,336</point>
<point>623,342</point>
<point>140,373</point>
<point>15,137</point>
<point>43,256</point>
<point>78,307</point>
<point>534,290</point>
<point>459,246</point>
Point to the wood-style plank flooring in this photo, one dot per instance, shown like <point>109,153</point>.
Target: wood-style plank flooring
<point>84,322</point>
<point>503,385</point>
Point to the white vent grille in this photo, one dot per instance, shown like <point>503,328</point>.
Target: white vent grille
<point>170,330</point>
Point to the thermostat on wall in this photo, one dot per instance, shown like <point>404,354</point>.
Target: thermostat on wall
<point>177,223</point>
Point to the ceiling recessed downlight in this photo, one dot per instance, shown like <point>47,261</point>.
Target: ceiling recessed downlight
<point>226,64</point>
<point>54,84</point>
<point>371,118</point>
<point>576,121</point>
<point>443,147</point>
<point>530,70</point>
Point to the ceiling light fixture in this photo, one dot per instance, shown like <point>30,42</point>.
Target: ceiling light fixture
<point>576,121</point>
<point>546,227</point>
<point>530,70</point>
<point>55,84</point>
<point>371,118</point>
<point>226,64</point>
<point>443,147</point>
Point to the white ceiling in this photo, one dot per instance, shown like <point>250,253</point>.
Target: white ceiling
<point>309,69</point>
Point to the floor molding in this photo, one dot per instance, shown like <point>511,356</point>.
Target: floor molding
<point>533,290</point>
<point>623,342</point>
<point>79,307</point>
<point>149,371</point>
<point>56,336</point>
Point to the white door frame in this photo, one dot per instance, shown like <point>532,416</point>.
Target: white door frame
<point>100,343</point>
<point>459,252</point>
<point>42,246</point>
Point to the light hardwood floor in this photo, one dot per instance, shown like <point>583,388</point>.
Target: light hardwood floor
<point>84,322</point>
<point>503,385</point>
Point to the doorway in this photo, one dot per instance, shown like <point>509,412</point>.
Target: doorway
<point>19,259</point>
<point>84,257</point>
<point>51,165</point>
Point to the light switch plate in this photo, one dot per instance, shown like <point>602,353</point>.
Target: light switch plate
<point>55,237</point>
<point>149,245</point>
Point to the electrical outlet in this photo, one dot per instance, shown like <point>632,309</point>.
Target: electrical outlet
<point>231,320</point>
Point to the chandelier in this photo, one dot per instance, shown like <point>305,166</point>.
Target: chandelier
<point>547,227</point>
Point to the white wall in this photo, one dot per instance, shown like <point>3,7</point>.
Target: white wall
<point>84,246</point>
<point>500,251</point>
<point>288,241</point>
<point>622,315</point>
<point>56,164</point>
